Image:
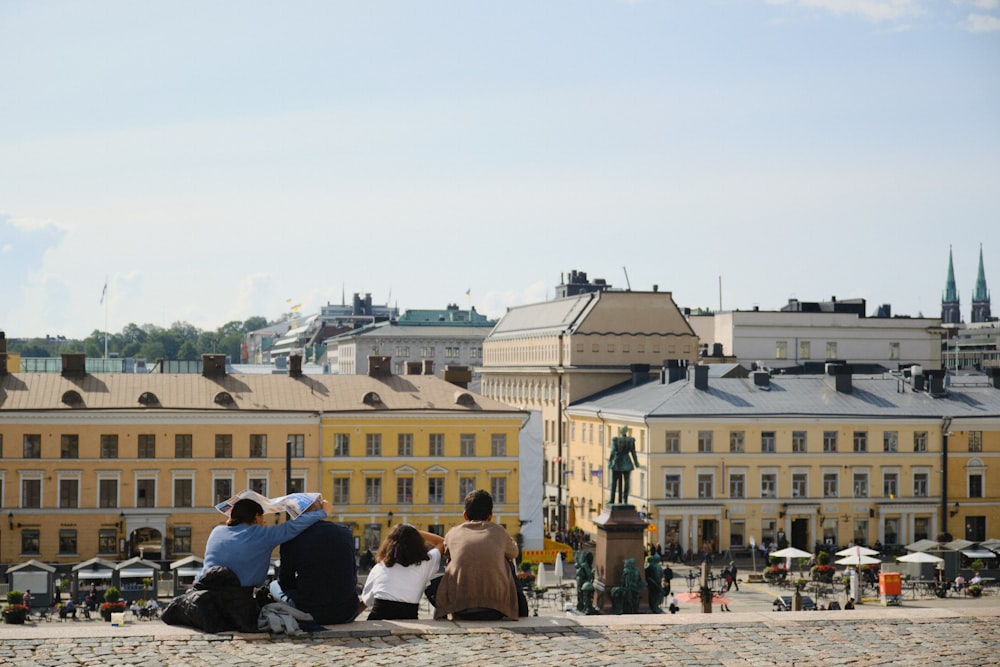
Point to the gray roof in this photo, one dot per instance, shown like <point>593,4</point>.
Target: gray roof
<point>545,318</point>
<point>790,396</point>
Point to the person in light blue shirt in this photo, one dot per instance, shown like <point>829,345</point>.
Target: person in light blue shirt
<point>244,544</point>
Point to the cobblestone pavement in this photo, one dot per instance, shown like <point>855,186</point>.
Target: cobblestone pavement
<point>871,637</point>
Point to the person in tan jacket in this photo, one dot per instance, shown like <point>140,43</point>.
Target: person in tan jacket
<point>478,584</point>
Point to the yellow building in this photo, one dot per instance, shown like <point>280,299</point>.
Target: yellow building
<point>828,459</point>
<point>120,465</point>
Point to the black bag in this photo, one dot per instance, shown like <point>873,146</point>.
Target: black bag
<point>522,600</point>
<point>432,590</point>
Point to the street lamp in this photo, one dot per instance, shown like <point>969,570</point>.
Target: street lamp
<point>388,522</point>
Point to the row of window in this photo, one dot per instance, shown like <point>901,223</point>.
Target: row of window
<point>69,446</point>
<point>800,444</point>
<point>450,352</point>
<point>800,485</point>
<point>805,349</point>
<point>107,541</point>
<point>405,486</point>
<point>404,444</point>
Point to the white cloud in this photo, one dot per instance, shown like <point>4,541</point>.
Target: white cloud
<point>981,23</point>
<point>979,4</point>
<point>872,10</point>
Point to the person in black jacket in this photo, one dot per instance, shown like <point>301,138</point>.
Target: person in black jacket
<point>318,573</point>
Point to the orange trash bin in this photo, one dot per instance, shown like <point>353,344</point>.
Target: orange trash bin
<point>889,583</point>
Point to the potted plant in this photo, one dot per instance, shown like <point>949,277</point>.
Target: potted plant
<point>824,573</point>
<point>975,590</point>
<point>112,603</point>
<point>775,573</point>
<point>16,610</point>
<point>526,577</point>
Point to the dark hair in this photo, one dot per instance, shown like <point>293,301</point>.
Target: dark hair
<point>244,511</point>
<point>478,505</point>
<point>402,545</point>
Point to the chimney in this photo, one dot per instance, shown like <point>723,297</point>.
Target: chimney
<point>379,366</point>
<point>428,367</point>
<point>839,377</point>
<point>213,365</point>
<point>672,371</point>
<point>295,365</point>
<point>701,378</point>
<point>935,381</point>
<point>414,367</point>
<point>74,365</point>
<point>460,376</point>
<point>993,373</point>
<point>917,377</point>
<point>762,380</point>
<point>640,373</point>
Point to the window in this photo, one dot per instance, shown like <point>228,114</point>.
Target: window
<point>182,539</point>
<point>735,442</point>
<point>737,529</point>
<point>830,480</point>
<point>223,490</point>
<point>975,528</point>
<point>800,485</point>
<point>427,352</point>
<point>258,484</point>
<point>435,490</point>
<point>341,490</point>
<point>107,541</point>
<point>452,352</point>
<point>373,444</point>
<point>69,446</point>
<point>32,446</point>
<point>436,442</point>
<point>921,484</point>
<point>894,350</point>
<point>781,349</point>
<point>467,444</point>
<point>920,441</point>
<point>373,490</point>
<point>109,446</point>
<point>404,490</point>
<point>342,444</point>
<point>831,350</point>
<point>975,441</point>
<point>804,349</point>
<point>67,541</point>
<point>402,350</point>
<point>258,446</point>
<point>767,442</point>
<point>182,446</point>
<point>69,493</point>
<point>298,444</point>
<point>31,493</point>
<point>769,485</point>
<point>890,484</point>
<point>671,440</point>
<point>184,492</point>
<point>476,353</point>
<point>704,441</point>
<point>147,446</point>
<point>829,441</point>
<point>498,489</point>
<point>404,444</point>
<point>860,485</point>
<point>466,485</point>
<point>498,443</point>
<point>799,442</point>
<point>861,441</point>
<point>30,539</point>
<point>921,527</point>
<point>975,485</point>
<point>705,485</point>
<point>737,485</point>
<point>671,486</point>
<point>223,446</point>
<point>890,441</point>
<point>892,530</point>
<point>107,490</point>
<point>145,493</point>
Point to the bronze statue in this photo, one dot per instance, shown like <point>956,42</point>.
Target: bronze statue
<point>585,583</point>
<point>631,588</point>
<point>654,583</point>
<point>622,462</point>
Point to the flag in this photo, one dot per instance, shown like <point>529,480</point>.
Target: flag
<point>468,293</point>
<point>104,291</point>
<point>296,307</point>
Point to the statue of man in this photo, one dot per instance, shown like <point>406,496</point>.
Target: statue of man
<point>654,583</point>
<point>631,587</point>
<point>585,583</point>
<point>621,463</point>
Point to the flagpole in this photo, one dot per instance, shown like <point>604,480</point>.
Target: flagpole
<point>105,297</point>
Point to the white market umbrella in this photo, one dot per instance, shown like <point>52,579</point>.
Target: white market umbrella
<point>541,579</point>
<point>857,551</point>
<point>857,560</point>
<point>919,557</point>
<point>790,552</point>
<point>559,570</point>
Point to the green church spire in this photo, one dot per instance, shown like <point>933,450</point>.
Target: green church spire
<point>950,290</point>
<point>981,293</point>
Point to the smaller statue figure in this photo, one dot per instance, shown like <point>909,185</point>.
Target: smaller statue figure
<point>654,583</point>
<point>585,583</point>
<point>631,587</point>
<point>621,463</point>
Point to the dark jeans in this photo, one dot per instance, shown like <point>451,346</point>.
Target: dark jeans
<point>389,610</point>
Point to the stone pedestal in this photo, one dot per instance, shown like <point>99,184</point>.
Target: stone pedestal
<point>620,535</point>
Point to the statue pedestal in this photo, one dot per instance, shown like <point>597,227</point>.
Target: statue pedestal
<point>620,533</point>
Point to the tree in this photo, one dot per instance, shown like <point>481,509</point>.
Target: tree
<point>187,351</point>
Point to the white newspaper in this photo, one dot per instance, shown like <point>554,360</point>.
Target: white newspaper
<point>295,503</point>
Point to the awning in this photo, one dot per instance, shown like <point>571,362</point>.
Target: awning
<point>187,571</point>
<point>94,574</point>
<point>978,553</point>
<point>136,572</point>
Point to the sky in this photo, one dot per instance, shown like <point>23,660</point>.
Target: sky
<point>211,161</point>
